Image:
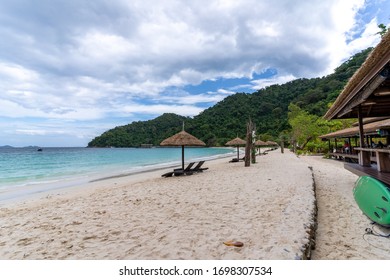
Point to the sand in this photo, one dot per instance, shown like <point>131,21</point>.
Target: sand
<point>341,232</point>
<point>270,207</point>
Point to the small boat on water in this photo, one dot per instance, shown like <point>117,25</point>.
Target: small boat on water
<point>373,198</point>
<point>39,150</point>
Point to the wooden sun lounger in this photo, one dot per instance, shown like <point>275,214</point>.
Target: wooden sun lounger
<point>179,171</point>
<point>187,171</point>
<point>198,167</point>
<point>236,159</point>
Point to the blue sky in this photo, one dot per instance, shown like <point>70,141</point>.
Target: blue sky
<point>70,70</point>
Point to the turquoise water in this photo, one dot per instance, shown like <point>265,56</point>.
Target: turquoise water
<point>27,166</point>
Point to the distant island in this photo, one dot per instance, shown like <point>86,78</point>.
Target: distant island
<point>12,147</point>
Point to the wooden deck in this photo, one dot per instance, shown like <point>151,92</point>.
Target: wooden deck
<point>368,171</point>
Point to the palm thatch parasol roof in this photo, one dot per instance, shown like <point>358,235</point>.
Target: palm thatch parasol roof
<point>271,143</point>
<point>236,142</point>
<point>182,139</point>
<point>260,143</point>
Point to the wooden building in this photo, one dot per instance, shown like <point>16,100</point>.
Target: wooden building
<point>376,131</point>
<point>367,95</point>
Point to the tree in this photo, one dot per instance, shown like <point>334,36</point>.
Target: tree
<point>383,29</point>
<point>303,125</point>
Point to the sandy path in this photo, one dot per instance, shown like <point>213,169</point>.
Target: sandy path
<point>341,224</point>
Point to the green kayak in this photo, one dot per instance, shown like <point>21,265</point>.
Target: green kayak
<point>373,198</point>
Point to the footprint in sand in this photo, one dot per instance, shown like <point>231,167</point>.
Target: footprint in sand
<point>24,241</point>
<point>116,232</point>
<point>90,237</point>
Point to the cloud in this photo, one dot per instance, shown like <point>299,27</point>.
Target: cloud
<point>92,60</point>
<point>275,80</point>
<point>184,110</point>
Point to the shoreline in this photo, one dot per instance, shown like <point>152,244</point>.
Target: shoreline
<point>24,192</point>
<point>272,207</point>
<point>267,206</point>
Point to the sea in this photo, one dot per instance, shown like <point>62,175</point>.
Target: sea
<point>26,171</point>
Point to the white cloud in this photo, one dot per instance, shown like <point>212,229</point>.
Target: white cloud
<point>184,110</point>
<point>17,73</point>
<point>225,92</point>
<point>83,60</point>
<point>32,132</point>
<point>368,38</point>
<point>275,80</point>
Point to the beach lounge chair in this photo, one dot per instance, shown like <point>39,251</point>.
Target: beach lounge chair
<point>179,171</point>
<point>236,159</point>
<point>198,168</point>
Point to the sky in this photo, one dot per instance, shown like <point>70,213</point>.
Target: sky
<point>72,69</point>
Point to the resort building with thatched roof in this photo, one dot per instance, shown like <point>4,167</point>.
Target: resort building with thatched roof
<point>367,95</point>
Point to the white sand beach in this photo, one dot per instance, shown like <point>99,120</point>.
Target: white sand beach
<point>269,207</point>
<point>341,232</point>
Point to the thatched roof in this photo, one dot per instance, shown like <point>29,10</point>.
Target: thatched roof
<point>361,89</point>
<point>370,120</point>
<point>236,142</point>
<point>271,143</point>
<point>343,133</point>
<point>260,143</point>
<point>369,128</point>
<point>182,139</point>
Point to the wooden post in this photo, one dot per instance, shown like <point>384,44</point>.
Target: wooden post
<point>350,145</point>
<point>361,131</point>
<point>248,147</point>
<point>182,156</point>
<point>253,148</point>
<point>281,138</point>
<point>364,157</point>
<point>294,146</point>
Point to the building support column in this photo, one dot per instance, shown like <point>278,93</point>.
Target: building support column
<point>364,157</point>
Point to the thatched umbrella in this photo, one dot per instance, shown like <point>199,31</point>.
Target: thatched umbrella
<point>272,143</point>
<point>236,142</point>
<point>182,139</point>
<point>260,143</point>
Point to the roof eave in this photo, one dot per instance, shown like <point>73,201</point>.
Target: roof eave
<point>374,64</point>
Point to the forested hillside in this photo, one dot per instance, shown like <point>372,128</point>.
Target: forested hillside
<point>141,132</point>
<point>268,109</point>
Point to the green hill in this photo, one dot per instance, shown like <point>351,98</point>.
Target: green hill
<point>141,132</point>
<point>225,120</point>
